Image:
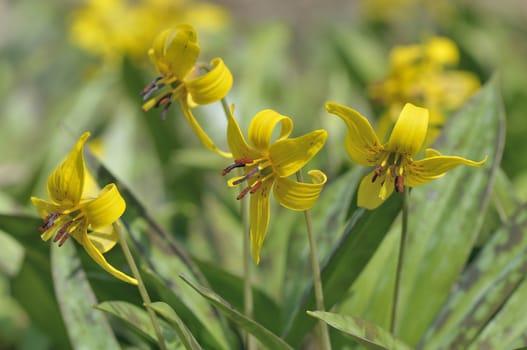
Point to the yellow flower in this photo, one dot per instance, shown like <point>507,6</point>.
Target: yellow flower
<point>174,53</point>
<point>421,74</point>
<point>268,164</point>
<point>116,28</point>
<point>74,210</point>
<point>393,161</point>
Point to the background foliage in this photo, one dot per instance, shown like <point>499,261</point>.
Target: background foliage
<point>463,285</point>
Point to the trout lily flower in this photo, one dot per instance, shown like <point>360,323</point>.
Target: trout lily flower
<point>174,53</point>
<point>394,165</point>
<point>422,74</point>
<point>268,165</point>
<point>75,211</point>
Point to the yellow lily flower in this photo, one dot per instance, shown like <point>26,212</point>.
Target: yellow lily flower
<point>394,165</point>
<point>75,211</point>
<point>268,164</point>
<point>421,74</point>
<point>174,53</point>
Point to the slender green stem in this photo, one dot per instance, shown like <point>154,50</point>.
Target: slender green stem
<point>140,285</point>
<point>317,281</point>
<point>400,262</point>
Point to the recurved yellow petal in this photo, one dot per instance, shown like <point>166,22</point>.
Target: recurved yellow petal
<point>373,194</point>
<point>262,127</point>
<point>212,86</point>
<point>362,144</point>
<point>290,155</point>
<point>66,182</point>
<point>104,238</point>
<point>409,131</point>
<point>106,208</point>
<point>236,140</point>
<point>198,130</point>
<point>44,208</point>
<point>431,168</point>
<point>97,256</point>
<point>299,195</point>
<point>259,214</point>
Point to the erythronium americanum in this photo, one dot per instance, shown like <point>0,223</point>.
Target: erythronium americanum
<point>394,166</point>
<point>76,210</point>
<point>174,54</point>
<point>268,164</point>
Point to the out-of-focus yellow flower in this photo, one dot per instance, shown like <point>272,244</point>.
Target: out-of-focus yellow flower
<point>76,210</point>
<point>174,53</point>
<point>400,10</point>
<point>268,164</point>
<point>393,161</point>
<point>421,74</point>
<point>116,28</point>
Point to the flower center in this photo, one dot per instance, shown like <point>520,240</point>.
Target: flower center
<point>63,224</point>
<point>392,165</point>
<point>256,172</point>
<point>166,91</point>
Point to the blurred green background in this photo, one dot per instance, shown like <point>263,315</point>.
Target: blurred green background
<point>71,66</point>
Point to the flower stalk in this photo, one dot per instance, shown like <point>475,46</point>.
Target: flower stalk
<point>140,285</point>
<point>400,262</point>
<point>317,280</point>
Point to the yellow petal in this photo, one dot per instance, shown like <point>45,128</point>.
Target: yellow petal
<point>442,51</point>
<point>259,214</point>
<point>44,208</point>
<point>299,195</point>
<point>97,256</point>
<point>262,126</point>
<point>236,141</point>
<point>175,51</point>
<point>200,133</point>
<point>103,238</point>
<point>290,155</point>
<point>362,144</point>
<point>373,194</point>
<point>427,169</point>
<point>409,131</point>
<point>105,209</point>
<point>66,182</point>
<point>212,86</point>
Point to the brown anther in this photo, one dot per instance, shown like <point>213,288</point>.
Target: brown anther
<point>49,221</point>
<point>376,173</point>
<point>165,110</point>
<point>399,184</point>
<point>165,99</point>
<point>150,88</point>
<point>255,186</point>
<point>243,193</point>
<point>392,170</point>
<point>61,234</point>
<point>246,177</point>
<point>64,239</point>
<point>238,163</point>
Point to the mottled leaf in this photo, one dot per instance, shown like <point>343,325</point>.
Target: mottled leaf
<point>266,337</point>
<point>368,334</point>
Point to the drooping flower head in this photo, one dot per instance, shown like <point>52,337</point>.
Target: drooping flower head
<point>76,210</point>
<point>268,164</point>
<point>174,53</point>
<point>421,74</point>
<point>394,166</point>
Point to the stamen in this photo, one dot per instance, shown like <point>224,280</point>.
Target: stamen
<point>150,88</point>
<point>165,110</point>
<point>61,232</point>
<point>246,177</point>
<point>49,221</point>
<point>392,170</point>
<point>250,189</point>
<point>377,172</point>
<point>399,184</point>
<point>64,239</point>
<point>163,100</point>
<point>238,163</point>
<point>243,193</point>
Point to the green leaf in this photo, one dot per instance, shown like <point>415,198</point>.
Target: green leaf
<point>266,337</point>
<point>183,332</point>
<point>488,284</point>
<point>363,234</point>
<point>138,319</point>
<point>76,300</point>
<point>38,301</point>
<point>172,295</point>
<point>366,333</point>
<point>166,258</point>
